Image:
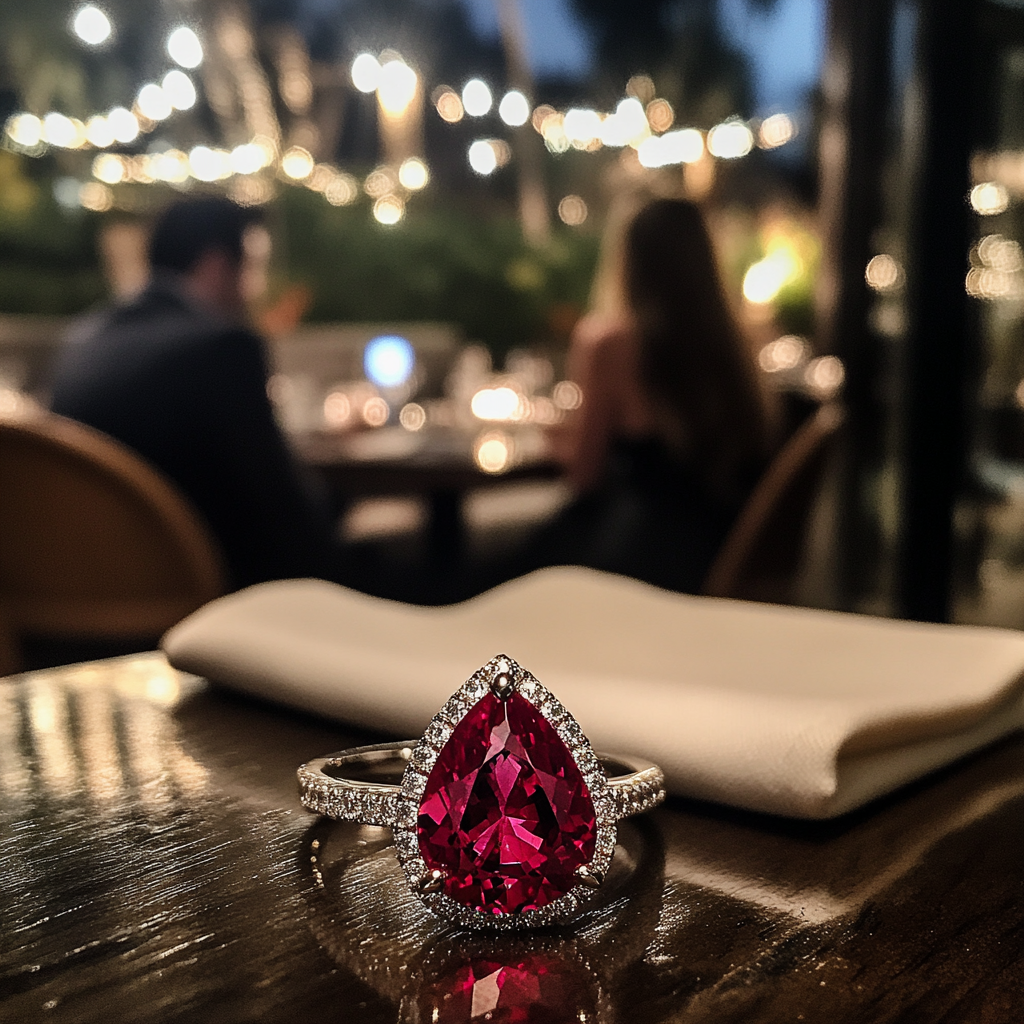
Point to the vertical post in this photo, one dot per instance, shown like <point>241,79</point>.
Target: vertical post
<point>401,131</point>
<point>237,75</point>
<point>852,149</point>
<point>533,200</point>
<point>940,341</point>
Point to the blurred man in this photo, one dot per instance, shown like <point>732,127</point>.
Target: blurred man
<point>176,374</point>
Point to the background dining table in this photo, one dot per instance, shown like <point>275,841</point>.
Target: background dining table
<point>156,865</point>
<point>436,464</point>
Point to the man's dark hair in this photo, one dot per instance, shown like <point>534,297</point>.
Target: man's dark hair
<point>191,227</point>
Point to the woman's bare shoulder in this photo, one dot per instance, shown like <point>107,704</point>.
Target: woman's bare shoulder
<point>599,333</point>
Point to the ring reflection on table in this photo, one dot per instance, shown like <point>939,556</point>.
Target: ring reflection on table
<point>363,915</point>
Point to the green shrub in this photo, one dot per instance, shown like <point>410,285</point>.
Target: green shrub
<point>437,264</point>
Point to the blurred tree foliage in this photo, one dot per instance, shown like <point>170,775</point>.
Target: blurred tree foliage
<point>48,258</point>
<point>441,263</point>
<point>46,67</point>
<point>435,34</point>
<point>681,44</point>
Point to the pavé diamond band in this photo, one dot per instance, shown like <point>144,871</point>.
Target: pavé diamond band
<point>635,785</point>
<point>505,817</point>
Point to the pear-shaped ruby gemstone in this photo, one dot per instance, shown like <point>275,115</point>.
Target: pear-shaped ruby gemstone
<point>506,815</point>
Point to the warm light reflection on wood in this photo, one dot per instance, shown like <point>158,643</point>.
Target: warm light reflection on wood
<point>51,737</point>
<point>100,755</point>
<point>103,728</point>
<point>15,775</point>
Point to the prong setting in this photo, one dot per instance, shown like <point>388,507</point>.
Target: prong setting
<point>592,879</point>
<point>503,684</point>
<point>432,881</point>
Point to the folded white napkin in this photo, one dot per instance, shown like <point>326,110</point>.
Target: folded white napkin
<point>785,710</point>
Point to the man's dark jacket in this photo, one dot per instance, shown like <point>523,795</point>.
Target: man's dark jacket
<point>188,392</point>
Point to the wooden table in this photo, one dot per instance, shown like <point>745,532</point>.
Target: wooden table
<point>155,865</point>
<point>438,467</point>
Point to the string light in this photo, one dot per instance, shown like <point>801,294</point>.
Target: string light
<point>540,115</point>
<point>109,168</point>
<point>366,72</point>
<point>482,157</point>
<point>184,48</point>
<point>91,25</point>
<point>785,353</point>
<point>388,210</point>
<point>825,376</point>
<point>493,451</point>
<point>61,131</point>
<point>320,178</point>
<point>124,125</point>
<point>641,87</point>
<point>376,412</point>
<point>730,140</point>
<point>682,147</point>
<point>413,174</point>
<point>25,130</point>
<point>171,166</point>
<point>413,416</point>
<point>627,126</point>
<point>989,198</point>
<point>776,131</point>
<point>178,88</point>
<point>206,164</point>
<point>883,273</point>
<point>379,182</point>
<point>660,115</point>
<point>501,403</point>
<point>247,158</point>
<point>98,132</point>
<point>297,163</point>
<point>448,105</point>
<point>96,197</point>
<point>553,130</point>
<point>581,127</point>
<point>397,87</point>
<point>572,210</point>
<point>337,410</point>
<point>514,109</point>
<point>476,97</point>
<point>567,395</point>
<point>342,190</point>
<point>153,103</point>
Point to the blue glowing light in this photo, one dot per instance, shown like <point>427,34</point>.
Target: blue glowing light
<point>388,360</point>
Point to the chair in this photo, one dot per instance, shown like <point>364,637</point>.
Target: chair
<point>95,545</point>
<point>761,555</point>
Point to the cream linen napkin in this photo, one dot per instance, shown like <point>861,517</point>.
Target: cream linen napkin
<point>785,710</point>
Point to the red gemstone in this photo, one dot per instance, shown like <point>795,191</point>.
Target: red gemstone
<point>534,989</point>
<point>506,815</point>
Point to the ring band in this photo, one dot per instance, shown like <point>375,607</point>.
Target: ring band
<point>505,816</point>
<point>636,785</point>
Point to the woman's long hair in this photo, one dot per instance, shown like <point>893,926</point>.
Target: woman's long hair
<point>695,365</point>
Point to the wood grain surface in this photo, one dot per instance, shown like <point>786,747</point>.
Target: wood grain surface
<point>155,865</point>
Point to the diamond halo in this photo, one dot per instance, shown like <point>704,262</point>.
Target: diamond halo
<point>424,757</point>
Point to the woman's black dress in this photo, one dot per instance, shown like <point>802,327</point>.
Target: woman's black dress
<point>651,517</point>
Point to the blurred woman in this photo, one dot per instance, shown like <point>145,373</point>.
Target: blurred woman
<point>672,433</point>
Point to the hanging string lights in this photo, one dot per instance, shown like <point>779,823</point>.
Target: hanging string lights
<point>640,120</point>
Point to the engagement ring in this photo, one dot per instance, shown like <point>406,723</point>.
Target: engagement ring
<point>505,817</point>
